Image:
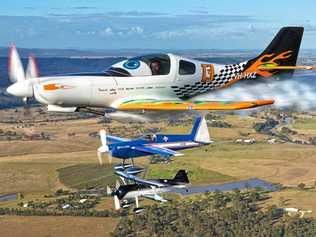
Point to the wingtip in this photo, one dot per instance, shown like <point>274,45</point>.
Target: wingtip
<point>264,102</point>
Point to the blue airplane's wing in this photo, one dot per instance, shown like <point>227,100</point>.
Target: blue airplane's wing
<point>139,180</point>
<point>157,150</point>
<point>114,139</point>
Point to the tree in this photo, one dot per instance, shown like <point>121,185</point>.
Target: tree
<point>301,186</point>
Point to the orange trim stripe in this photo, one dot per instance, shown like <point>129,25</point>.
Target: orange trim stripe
<point>171,105</point>
<point>51,87</point>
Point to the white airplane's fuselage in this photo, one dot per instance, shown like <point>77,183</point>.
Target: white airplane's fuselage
<point>152,193</point>
<point>99,91</point>
<point>109,91</point>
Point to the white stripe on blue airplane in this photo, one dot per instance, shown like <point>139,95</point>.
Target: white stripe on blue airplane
<point>165,145</point>
<point>154,82</point>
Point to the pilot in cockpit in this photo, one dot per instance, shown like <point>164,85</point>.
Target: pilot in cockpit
<point>151,137</point>
<point>155,67</point>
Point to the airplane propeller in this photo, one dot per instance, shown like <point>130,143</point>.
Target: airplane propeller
<point>104,148</point>
<point>22,85</point>
<point>110,192</point>
<point>117,203</point>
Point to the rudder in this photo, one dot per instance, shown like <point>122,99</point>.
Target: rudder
<point>282,51</point>
<point>200,131</point>
<point>181,177</point>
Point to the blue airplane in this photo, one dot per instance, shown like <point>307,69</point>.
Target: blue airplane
<point>165,145</point>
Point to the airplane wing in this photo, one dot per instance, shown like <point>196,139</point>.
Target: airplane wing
<point>149,104</point>
<point>114,139</point>
<point>155,197</point>
<point>157,150</point>
<point>139,180</point>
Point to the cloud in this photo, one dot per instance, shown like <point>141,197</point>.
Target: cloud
<point>309,27</point>
<point>109,14</point>
<point>30,8</point>
<point>135,14</point>
<point>136,30</point>
<point>142,29</point>
<point>213,32</point>
<point>106,32</point>
<point>298,91</point>
<point>175,34</point>
<point>198,11</point>
<point>121,32</point>
<point>83,8</point>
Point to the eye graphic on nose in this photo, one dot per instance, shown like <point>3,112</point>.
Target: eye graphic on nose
<point>131,64</point>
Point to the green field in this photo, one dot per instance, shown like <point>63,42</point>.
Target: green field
<point>37,168</point>
<point>196,174</point>
<point>305,124</point>
<point>28,177</point>
<point>86,175</point>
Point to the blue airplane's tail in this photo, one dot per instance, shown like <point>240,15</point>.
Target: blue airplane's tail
<point>200,131</point>
<point>196,126</point>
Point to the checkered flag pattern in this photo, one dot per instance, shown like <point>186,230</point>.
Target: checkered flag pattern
<point>225,75</point>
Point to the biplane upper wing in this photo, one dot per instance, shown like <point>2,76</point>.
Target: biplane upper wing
<point>151,104</point>
<point>152,183</point>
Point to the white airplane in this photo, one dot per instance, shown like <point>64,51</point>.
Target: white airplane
<point>154,82</point>
<point>148,188</point>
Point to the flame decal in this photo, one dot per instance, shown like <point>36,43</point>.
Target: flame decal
<point>262,61</point>
<point>53,87</point>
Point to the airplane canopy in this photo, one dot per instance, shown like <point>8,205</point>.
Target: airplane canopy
<point>148,65</point>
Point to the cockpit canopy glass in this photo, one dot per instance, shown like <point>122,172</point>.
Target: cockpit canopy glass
<point>148,65</point>
<point>116,72</point>
<point>149,137</point>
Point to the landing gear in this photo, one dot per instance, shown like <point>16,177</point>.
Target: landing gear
<point>132,160</point>
<point>137,209</point>
<point>129,168</point>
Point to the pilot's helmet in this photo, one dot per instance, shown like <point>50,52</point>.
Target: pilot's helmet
<point>135,67</point>
<point>148,136</point>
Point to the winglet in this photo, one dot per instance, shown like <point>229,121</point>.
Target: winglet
<point>263,102</point>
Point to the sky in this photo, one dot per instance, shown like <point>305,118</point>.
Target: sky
<point>152,24</point>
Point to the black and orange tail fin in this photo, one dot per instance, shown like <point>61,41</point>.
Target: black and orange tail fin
<point>281,53</point>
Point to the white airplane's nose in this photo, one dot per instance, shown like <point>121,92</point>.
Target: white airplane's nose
<point>21,89</point>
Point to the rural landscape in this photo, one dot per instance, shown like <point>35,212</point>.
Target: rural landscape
<point>49,167</point>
